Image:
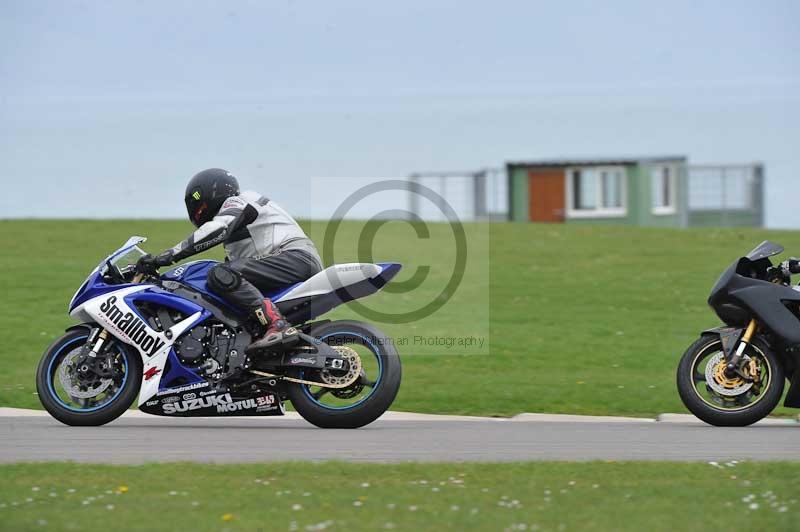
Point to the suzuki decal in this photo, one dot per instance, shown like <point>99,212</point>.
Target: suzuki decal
<point>224,404</point>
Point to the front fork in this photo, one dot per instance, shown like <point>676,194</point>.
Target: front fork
<point>101,338</point>
<point>736,359</point>
<point>98,338</point>
<point>88,360</point>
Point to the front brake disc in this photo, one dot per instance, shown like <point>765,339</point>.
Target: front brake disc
<point>722,384</point>
<point>70,381</point>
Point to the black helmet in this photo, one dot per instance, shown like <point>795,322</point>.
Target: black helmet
<point>206,192</point>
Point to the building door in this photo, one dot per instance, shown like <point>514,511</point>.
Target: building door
<point>546,195</point>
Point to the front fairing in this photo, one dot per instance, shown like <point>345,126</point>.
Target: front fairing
<point>748,271</point>
<point>754,265</point>
<point>744,292</point>
<point>721,286</point>
<point>94,285</point>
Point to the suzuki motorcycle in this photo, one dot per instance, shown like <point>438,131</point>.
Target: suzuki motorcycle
<point>734,375</point>
<point>180,348</point>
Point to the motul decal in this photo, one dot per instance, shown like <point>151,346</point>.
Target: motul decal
<point>224,404</point>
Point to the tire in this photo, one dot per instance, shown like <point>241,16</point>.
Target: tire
<point>369,409</point>
<point>123,399</point>
<point>725,418</point>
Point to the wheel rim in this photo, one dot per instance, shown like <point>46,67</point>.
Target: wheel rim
<point>65,388</point>
<point>724,393</point>
<point>372,371</point>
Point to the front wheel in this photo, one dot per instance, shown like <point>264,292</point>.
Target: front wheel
<point>725,400</point>
<point>82,392</point>
<point>372,392</point>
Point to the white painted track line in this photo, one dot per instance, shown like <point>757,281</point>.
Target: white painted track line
<point>526,417</point>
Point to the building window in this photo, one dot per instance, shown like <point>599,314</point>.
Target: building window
<point>596,191</point>
<point>662,186</point>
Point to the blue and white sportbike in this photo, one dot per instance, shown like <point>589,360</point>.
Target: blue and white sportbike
<point>181,349</point>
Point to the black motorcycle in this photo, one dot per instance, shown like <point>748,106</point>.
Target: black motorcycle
<point>734,375</point>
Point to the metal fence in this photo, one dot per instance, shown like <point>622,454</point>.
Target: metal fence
<point>726,195</point>
<point>474,196</point>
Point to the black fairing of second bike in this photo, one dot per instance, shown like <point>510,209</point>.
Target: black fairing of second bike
<point>737,298</point>
<point>741,294</point>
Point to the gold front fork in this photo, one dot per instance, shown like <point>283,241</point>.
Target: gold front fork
<point>751,330</point>
<point>733,363</point>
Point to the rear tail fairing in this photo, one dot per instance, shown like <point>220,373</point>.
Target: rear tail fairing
<point>332,287</point>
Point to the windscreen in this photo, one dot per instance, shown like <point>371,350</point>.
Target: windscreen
<point>128,254</point>
<point>764,250</point>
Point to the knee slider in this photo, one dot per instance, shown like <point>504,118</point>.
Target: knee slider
<point>223,279</point>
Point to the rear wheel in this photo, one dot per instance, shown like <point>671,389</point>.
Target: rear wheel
<point>77,391</point>
<point>726,400</point>
<point>372,392</point>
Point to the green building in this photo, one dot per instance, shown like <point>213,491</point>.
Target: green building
<point>647,191</point>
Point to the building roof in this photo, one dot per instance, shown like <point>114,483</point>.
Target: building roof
<point>599,161</point>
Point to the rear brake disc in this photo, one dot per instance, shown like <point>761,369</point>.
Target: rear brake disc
<point>352,373</point>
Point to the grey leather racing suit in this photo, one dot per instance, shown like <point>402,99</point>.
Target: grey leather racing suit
<point>266,249</point>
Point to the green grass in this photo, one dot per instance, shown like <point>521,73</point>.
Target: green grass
<point>336,496</point>
<point>576,319</point>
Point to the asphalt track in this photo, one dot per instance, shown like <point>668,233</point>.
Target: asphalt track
<point>136,438</point>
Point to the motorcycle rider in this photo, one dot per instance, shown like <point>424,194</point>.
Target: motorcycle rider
<point>265,250</point>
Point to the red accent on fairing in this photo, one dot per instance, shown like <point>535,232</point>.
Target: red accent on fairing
<point>150,373</point>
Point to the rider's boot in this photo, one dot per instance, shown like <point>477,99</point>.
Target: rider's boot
<point>273,328</point>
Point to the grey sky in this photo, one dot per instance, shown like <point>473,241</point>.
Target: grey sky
<point>125,100</point>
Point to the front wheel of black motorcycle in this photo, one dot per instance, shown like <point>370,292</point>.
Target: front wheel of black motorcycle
<point>725,400</point>
<point>368,397</point>
<point>76,395</point>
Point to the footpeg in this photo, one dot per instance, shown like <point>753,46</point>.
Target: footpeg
<point>274,341</point>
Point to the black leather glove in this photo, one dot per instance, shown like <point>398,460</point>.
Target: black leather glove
<point>150,264</point>
<point>789,267</point>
